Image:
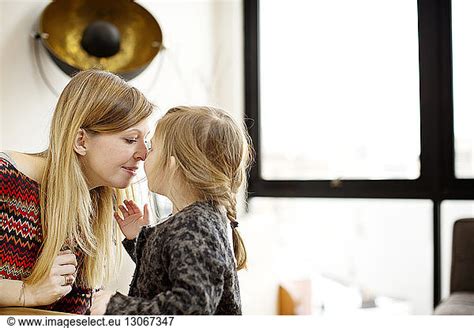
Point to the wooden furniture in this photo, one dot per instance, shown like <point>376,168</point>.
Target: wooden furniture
<point>294,297</point>
<point>461,298</point>
<point>17,310</point>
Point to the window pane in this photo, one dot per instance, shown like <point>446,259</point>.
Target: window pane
<point>349,247</point>
<point>451,211</point>
<point>463,82</point>
<point>339,89</point>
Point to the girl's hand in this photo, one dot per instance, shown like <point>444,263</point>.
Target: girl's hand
<point>57,284</point>
<point>100,300</point>
<point>133,219</point>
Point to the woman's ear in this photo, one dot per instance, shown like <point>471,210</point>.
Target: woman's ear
<point>80,142</point>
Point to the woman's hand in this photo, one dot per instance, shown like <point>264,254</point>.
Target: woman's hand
<point>100,301</point>
<point>57,284</point>
<point>133,219</point>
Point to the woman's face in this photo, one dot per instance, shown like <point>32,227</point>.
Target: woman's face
<point>113,159</point>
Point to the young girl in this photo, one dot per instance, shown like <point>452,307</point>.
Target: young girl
<point>185,265</point>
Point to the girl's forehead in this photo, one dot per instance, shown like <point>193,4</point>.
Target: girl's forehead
<point>158,131</point>
<point>155,139</point>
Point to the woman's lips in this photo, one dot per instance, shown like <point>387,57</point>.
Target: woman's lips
<point>130,170</point>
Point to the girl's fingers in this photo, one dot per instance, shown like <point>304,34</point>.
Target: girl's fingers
<point>127,206</point>
<point>132,207</point>
<point>124,210</point>
<point>118,217</point>
<point>135,207</point>
<point>146,214</point>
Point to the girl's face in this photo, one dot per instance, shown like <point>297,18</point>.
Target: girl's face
<point>113,159</point>
<point>158,179</point>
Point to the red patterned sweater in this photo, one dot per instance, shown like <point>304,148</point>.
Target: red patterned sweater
<point>21,234</point>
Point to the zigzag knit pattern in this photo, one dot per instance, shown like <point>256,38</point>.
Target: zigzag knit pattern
<point>21,235</point>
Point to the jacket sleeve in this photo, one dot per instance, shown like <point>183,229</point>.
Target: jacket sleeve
<point>196,272</point>
<point>129,245</point>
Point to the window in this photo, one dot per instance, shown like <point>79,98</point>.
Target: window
<point>463,83</point>
<point>361,99</point>
<point>339,98</point>
<point>349,248</point>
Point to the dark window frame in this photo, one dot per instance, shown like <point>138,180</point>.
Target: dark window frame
<point>437,181</point>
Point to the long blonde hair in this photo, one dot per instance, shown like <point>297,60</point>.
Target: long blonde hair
<point>72,216</point>
<point>212,154</point>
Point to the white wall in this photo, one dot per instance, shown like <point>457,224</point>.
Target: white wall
<point>26,103</point>
<point>202,64</point>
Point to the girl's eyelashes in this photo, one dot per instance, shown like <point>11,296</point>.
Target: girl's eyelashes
<point>148,145</point>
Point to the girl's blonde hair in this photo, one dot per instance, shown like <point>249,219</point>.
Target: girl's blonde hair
<point>72,216</point>
<point>212,154</point>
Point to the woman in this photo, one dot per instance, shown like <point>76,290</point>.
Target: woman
<point>56,231</point>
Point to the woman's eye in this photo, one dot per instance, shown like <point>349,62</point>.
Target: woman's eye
<point>131,141</point>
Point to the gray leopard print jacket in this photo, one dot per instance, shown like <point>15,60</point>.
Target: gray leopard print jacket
<point>184,265</point>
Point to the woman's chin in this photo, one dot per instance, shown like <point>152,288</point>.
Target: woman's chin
<point>121,184</point>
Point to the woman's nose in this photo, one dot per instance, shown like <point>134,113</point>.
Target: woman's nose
<point>141,152</point>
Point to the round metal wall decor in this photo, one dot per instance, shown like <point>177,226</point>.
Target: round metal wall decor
<point>119,36</point>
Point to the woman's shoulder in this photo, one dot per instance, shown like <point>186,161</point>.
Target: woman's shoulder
<point>7,162</point>
<point>31,165</point>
